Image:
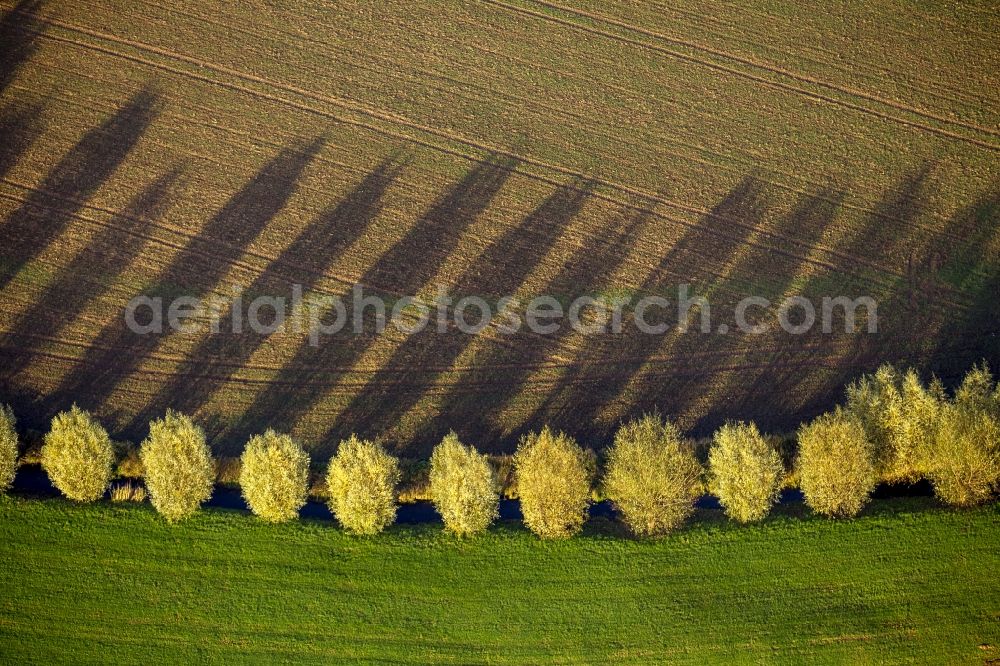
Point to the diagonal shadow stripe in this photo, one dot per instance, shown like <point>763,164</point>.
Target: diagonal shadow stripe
<point>20,28</point>
<point>20,126</point>
<point>48,209</point>
<point>473,404</point>
<point>304,380</point>
<point>108,255</point>
<point>117,351</point>
<point>597,378</point>
<point>317,246</point>
<point>500,270</point>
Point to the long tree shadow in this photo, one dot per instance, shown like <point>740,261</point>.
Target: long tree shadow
<point>19,31</point>
<point>605,369</point>
<point>904,325</point>
<point>473,404</point>
<point>117,351</point>
<point>888,228</point>
<point>106,257</point>
<point>317,246</point>
<point>405,268</point>
<point>20,126</point>
<point>500,270</point>
<point>768,364</point>
<point>973,267</point>
<point>889,234</point>
<point>48,209</point>
<point>800,375</point>
<point>556,408</point>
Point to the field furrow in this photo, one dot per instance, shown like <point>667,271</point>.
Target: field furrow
<point>499,148</point>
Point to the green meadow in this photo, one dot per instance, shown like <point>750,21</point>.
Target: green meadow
<point>907,582</point>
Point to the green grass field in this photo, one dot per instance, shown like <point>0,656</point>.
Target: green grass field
<point>908,582</point>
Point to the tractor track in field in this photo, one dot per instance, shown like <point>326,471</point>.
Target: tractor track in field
<point>749,62</point>
<point>832,359</point>
<point>779,240</point>
<point>461,85</point>
<point>266,261</point>
<point>786,87</point>
<point>271,263</point>
<point>246,266</point>
<point>391,118</point>
<point>626,92</point>
<point>435,384</point>
<point>208,157</point>
<point>723,29</point>
<point>635,110</point>
<point>434,388</point>
<point>362,375</point>
<point>813,54</point>
<point>251,269</point>
<point>792,255</point>
<point>557,358</point>
<point>969,28</point>
<point>534,386</point>
<point>362,57</point>
<point>728,163</point>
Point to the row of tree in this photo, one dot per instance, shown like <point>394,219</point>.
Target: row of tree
<point>893,427</point>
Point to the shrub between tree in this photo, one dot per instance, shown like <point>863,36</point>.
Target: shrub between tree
<point>8,447</point>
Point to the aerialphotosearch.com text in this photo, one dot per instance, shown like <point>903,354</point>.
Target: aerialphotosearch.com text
<point>324,315</point>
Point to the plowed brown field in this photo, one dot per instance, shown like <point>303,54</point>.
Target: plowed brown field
<point>498,147</point>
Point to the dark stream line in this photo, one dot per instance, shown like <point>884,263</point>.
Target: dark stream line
<point>31,481</point>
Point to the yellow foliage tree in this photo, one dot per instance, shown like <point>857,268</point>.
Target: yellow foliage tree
<point>899,415</point>
<point>553,483</point>
<point>979,391</point>
<point>745,472</point>
<point>651,477</point>
<point>965,466</point>
<point>463,487</point>
<point>274,476</point>
<point>965,459</point>
<point>362,480</point>
<point>177,465</point>
<point>836,465</point>
<point>78,455</point>
<point>8,447</point>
